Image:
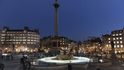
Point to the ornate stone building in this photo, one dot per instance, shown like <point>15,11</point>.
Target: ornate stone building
<point>19,40</point>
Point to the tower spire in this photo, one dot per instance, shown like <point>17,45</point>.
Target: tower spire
<point>56,6</point>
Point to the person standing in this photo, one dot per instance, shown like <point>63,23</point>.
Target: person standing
<point>2,66</point>
<point>22,62</point>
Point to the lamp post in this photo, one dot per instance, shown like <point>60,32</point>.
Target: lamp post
<point>113,55</point>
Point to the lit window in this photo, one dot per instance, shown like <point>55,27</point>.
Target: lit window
<point>108,39</point>
<point>3,35</point>
<point>120,41</point>
<point>120,37</point>
<point>113,38</point>
<point>113,35</point>
<point>116,34</point>
<point>114,46</point>
<point>117,45</point>
<point>24,43</point>
<point>121,46</point>
<point>20,39</point>
<point>31,42</point>
<point>24,39</point>
<point>117,38</point>
<point>2,40</point>
<point>114,42</point>
<point>120,34</point>
<point>117,42</point>
<point>28,42</point>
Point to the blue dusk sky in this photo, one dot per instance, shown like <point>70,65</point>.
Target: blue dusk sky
<point>78,19</point>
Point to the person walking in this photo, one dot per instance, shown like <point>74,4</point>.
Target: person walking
<point>2,66</point>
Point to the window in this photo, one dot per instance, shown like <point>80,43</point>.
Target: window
<point>114,46</point>
<point>120,41</point>
<point>113,38</point>
<point>117,38</point>
<point>121,46</point>
<point>19,39</point>
<point>2,40</point>
<point>17,42</point>
<point>118,46</point>
<point>120,37</point>
<point>2,34</point>
<point>2,37</point>
<point>109,41</point>
<point>28,42</point>
<point>116,34</point>
<point>114,42</point>
<point>24,39</point>
<point>24,42</point>
<point>31,42</point>
<point>120,34</point>
<point>117,42</point>
<point>108,38</point>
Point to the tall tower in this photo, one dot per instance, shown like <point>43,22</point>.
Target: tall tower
<point>56,6</point>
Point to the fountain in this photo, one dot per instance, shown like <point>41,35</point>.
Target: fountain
<point>65,57</point>
<point>75,60</point>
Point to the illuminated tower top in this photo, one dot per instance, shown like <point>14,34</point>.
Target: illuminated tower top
<point>56,6</point>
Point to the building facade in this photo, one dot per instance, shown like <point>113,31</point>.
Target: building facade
<point>23,40</point>
<point>117,37</point>
<point>55,44</point>
<point>106,40</point>
<point>92,46</point>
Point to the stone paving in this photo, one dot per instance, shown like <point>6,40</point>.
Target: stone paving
<point>106,67</point>
<point>10,64</point>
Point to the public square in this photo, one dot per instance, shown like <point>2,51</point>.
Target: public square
<point>88,36</point>
<point>14,64</point>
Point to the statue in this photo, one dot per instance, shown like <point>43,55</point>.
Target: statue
<point>65,54</point>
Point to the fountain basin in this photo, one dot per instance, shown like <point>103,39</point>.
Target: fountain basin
<point>75,60</point>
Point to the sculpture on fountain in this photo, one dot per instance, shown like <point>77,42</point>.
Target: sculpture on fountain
<point>65,54</point>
